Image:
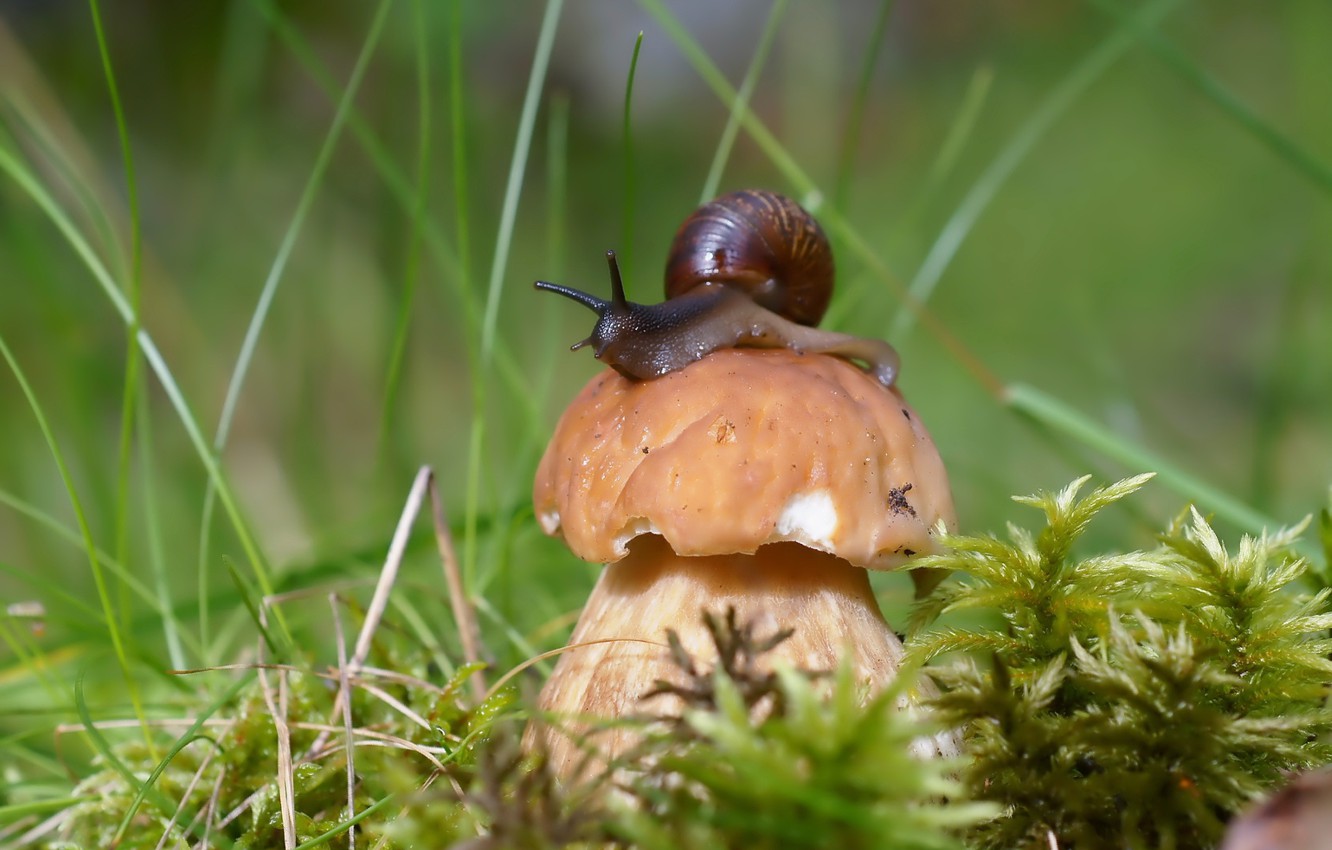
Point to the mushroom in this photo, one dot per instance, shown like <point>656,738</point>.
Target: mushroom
<point>1296,817</point>
<point>763,480</point>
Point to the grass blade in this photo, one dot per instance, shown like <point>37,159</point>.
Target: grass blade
<point>740,104</point>
<point>1050,411</point>
<point>15,811</point>
<point>557,191</point>
<point>171,629</point>
<point>503,239</point>
<point>190,735</point>
<point>832,220</point>
<point>34,661</point>
<point>959,132</point>
<point>134,284</point>
<point>627,234</point>
<point>90,548</point>
<point>412,271</point>
<point>33,188</point>
<point>54,589</point>
<point>964,123</point>
<point>454,262</point>
<point>846,160</point>
<point>1209,86</point>
<point>266,295</point>
<point>517,168</point>
<point>108,753</point>
<point>326,837</point>
<point>288,244</point>
<point>715,80</point>
<point>984,190</point>
<point>458,128</point>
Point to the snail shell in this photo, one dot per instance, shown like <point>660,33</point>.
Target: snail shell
<point>761,242</point>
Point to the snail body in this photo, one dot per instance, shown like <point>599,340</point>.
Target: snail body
<point>748,269</point>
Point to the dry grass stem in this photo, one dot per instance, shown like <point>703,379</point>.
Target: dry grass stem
<point>468,632</point>
<point>210,809</point>
<point>278,710</point>
<point>344,697</point>
<point>204,764</point>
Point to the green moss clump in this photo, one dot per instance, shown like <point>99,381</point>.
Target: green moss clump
<point>1134,699</point>
<point>787,759</point>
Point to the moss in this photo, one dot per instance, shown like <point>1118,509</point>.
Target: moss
<point>1132,698</point>
<point>1129,699</point>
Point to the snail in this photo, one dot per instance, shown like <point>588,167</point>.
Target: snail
<point>752,269</point>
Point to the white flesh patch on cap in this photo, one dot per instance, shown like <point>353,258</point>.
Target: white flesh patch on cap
<point>550,521</point>
<point>810,518</point>
<point>637,527</point>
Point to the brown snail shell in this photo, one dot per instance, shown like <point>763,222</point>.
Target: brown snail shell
<point>761,242</point>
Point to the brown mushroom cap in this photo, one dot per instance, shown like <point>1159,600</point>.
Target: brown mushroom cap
<point>741,449</point>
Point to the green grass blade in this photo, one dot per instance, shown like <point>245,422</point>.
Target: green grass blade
<point>1273,139</point>
<point>126,152</point>
<point>715,80</point>
<point>34,189</point>
<point>395,178</point>
<point>462,224</point>
<point>542,377</point>
<point>324,838</point>
<point>961,128</point>
<point>1052,412</point>
<point>266,295</point>
<point>108,753</point>
<point>517,168</point>
<point>458,130</point>
<point>626,253</point>
<point>128,403</point>
<point>846,160</point>
<point>29,661</point>
<point>238,82</point>
<point>959,131</point>
<point>503,239</point>
<point>24,121</point>
<point>424,629</point>
<point>54,589</point>
<point>293,232</point>
<point>412,271</point>
<point>171,629</point>
<point>781,159</point>
<point>1325,533</point>
<point>90,548</point>
<point>557,190</point>
<point>190,735</point>
<point>453,262</point>
<point>740,105</point>
<point>253,603</point>
<point>987,186</point>
<point>519,641</point>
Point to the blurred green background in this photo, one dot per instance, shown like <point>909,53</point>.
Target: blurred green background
<point>1134,222</point>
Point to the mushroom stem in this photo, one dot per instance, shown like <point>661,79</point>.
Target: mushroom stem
<point>826,600</point>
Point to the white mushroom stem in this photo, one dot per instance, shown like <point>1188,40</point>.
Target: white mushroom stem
<point>827,601</point>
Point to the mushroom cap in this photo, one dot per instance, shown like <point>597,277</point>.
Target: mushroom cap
<point>739,449</point>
